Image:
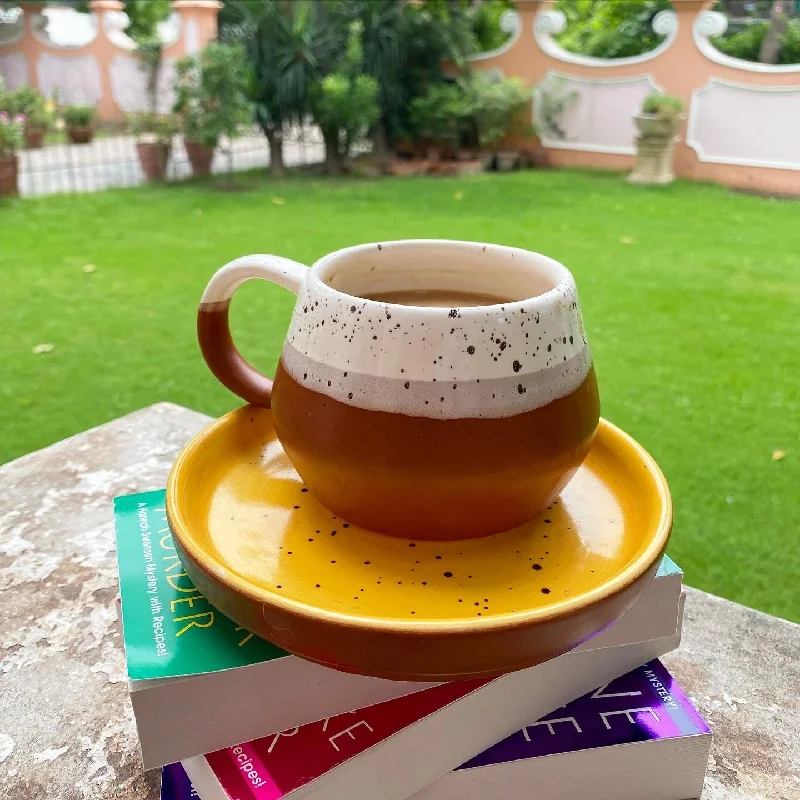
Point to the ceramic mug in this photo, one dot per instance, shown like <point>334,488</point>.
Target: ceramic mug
<point>429,389</point>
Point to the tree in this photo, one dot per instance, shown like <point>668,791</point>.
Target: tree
<point>210,93</point>
<point>144,16</point>
<point>344,104</point>
<point>383,57</point>
<point>291,45</point>
<point>778,22</point>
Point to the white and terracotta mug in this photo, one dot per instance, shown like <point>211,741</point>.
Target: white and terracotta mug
<point>429,389</point>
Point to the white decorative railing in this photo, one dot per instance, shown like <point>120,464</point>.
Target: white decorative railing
<point>550,22</point>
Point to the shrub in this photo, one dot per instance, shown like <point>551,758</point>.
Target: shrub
<point>11,131</point>
<point>662,105</point>
<point>496,104</point>
<point>440,113</point>
<point>345,103</point>
<point>345,107</point>
<point>39,118</point>
<point>746,44</point>
<point>153,127</point>
<point>22,101</point>
<point>210,90</point>
<point>79,116</point>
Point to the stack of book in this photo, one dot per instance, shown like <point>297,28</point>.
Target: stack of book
<point>231,717</point>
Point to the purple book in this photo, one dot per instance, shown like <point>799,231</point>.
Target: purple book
<point>590,749</point>
<point>643,705</point>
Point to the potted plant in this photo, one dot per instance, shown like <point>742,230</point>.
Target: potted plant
<point>28,102</point>
<point>439,116</point>
<point>661,115</point>
<point>37,124</point>
<point>11,137</point>
<point>154,134</point>
<point>497,104</point>
<point>658,123</point>
<point>80,123</point>
<point>211,100</point>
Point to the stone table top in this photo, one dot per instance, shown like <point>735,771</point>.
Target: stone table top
<point>66,725</point>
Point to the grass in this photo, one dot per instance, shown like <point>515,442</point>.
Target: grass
<point>691,297</point>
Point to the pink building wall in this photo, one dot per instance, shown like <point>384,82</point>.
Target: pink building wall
<point>105,72</point>
<point>743,119</point>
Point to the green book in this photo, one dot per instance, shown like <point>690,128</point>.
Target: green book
<point>170,629</point>
<point>199,682</point>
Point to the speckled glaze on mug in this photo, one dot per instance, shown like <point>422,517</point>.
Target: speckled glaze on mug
<point>418,421</point>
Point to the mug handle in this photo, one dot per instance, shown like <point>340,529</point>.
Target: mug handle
<point>213,326</point>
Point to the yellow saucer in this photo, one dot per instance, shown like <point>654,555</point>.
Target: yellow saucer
<point>266,553</point>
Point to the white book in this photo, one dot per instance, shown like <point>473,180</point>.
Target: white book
<point>394,749</point>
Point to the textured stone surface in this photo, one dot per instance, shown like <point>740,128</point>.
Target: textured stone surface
<point>741,668</point>
<point>66,727</point>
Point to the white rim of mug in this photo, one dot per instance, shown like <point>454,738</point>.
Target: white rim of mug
<point>317,277</point>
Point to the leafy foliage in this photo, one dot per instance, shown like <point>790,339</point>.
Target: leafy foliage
<point>144,16</point>
<point>746,44</point>
<point>28,102</point>
<point>553,99</point>
<point>210,90</point>
<point>441,112</point>
<point>290,45</point>
<point>293,45</point>
<point>433,33</point>
<point>153,127</point>
<point>497,104</point>
<point>149,52</point>
<point>662,105</point>
<point>610,29</point>
<point>383,57</point>
<point>11,133</point>
<point>344,103</point>
<point>485,18</point>
<point>79,116</point>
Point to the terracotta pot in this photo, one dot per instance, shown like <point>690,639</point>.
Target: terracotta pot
<point>656,125</point>
<point>80,135</point>
<point>200,157</point>
<point>34,138</point>
<point>153,156</point>
<point>8,176</point>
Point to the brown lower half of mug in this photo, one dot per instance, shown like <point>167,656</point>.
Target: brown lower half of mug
<point>438,479</point>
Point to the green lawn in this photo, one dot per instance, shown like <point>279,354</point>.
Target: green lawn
<point>691,297</point>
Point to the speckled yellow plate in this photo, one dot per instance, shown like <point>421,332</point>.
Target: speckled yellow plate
<point>266,553</point>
